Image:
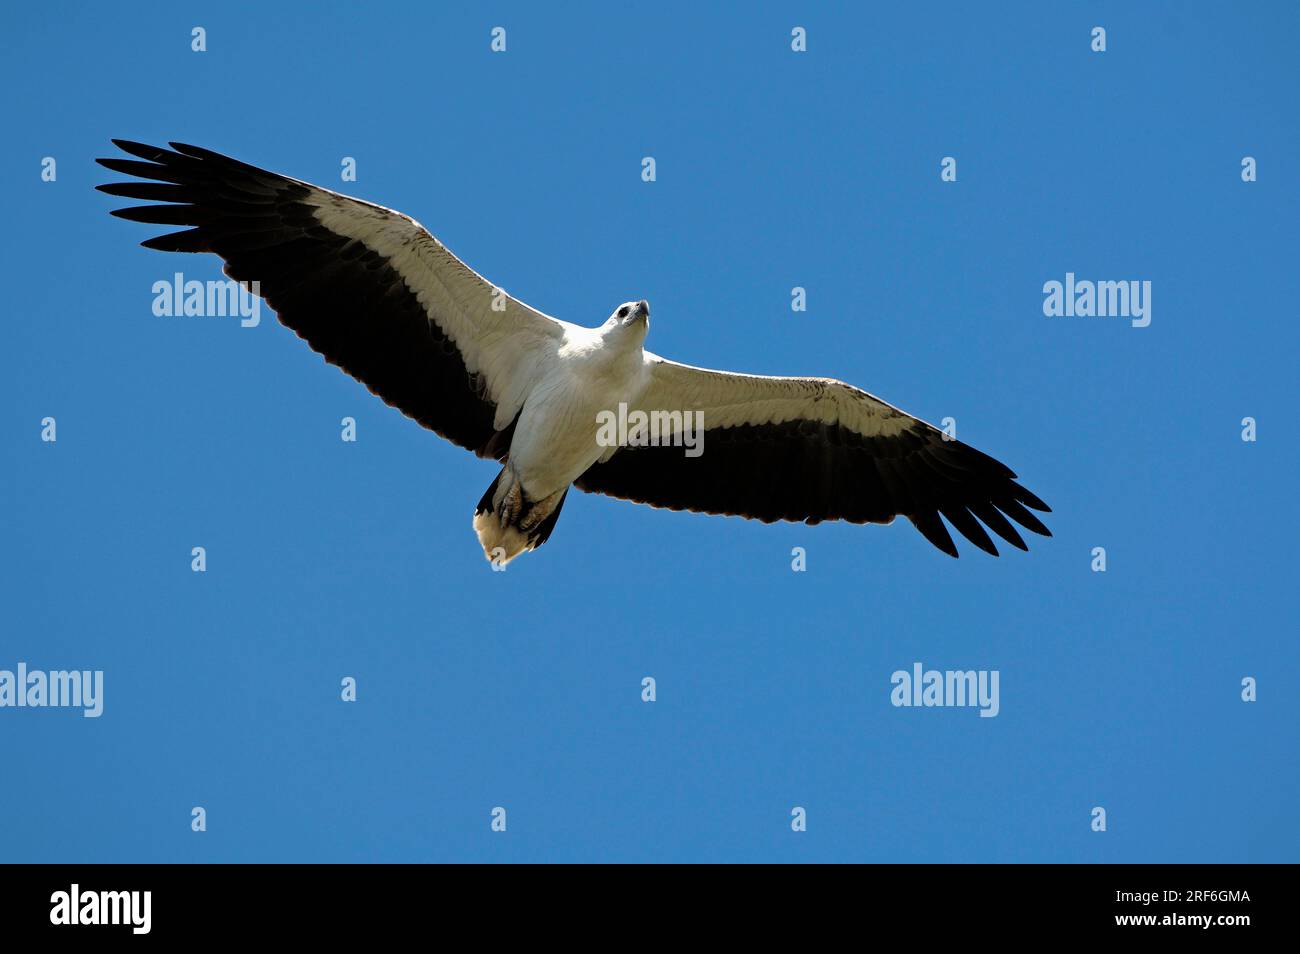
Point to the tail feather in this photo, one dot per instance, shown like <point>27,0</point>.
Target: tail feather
<point>485,502</point>
<point>508,522</point>
<point>543,531</point>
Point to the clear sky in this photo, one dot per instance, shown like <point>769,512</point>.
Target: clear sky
<point>1119,690</point>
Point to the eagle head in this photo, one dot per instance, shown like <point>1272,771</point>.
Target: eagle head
<point>630,312</point>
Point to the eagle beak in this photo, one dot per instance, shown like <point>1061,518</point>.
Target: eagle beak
<point>642,310</point>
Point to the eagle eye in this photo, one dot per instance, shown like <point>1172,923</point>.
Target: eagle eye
<point>622,312</point>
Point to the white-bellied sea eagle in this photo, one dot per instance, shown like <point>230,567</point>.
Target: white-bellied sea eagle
<point>377,295</point>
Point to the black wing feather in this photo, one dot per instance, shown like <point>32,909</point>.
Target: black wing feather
<point>812,471</point>
<point>343,299</point>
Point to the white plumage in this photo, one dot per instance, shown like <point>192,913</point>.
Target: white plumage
<point>378,295</point>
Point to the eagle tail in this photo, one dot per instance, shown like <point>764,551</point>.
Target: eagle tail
<point>508,522</point>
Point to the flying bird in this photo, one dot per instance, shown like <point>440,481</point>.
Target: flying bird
<point>376,294</point>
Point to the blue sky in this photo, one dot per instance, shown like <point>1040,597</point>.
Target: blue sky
<point>522,689</point>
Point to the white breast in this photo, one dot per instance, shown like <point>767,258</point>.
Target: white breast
<point>555,439</point>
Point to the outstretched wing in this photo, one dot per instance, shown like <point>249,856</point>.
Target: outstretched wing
<point>365,286</point>
<point>813,449</point>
